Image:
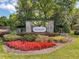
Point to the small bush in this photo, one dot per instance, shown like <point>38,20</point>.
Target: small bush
<point>11,37</point>
<point>30,37</point>
<point>1,40</point>
<point>42,38</point>
<point>76,32</point>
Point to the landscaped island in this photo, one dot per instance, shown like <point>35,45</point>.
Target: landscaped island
<point>33,42</point>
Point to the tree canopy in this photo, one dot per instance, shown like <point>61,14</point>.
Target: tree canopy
<point>63,12</point>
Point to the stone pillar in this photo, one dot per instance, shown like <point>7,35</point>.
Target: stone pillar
<point>50,26</point>
<point>28,26</point>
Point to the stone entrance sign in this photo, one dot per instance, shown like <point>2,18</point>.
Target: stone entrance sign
<point>49,28</point>
<point>39,29</point>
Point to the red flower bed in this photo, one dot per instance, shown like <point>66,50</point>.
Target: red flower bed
<point>26,46</point>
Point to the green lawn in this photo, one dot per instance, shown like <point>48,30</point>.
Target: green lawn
<point>68,52</point>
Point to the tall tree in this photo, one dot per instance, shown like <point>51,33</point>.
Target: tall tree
<point>24,10</point>
<point>45,7</point>
<point>63,14</point>
<point>13,21</point>
<point>58,10</point>
<point>75,18</point>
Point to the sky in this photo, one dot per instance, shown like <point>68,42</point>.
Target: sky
<point>77,5</point>
<point>7,7</point>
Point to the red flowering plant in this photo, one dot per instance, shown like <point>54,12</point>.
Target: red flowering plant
<point>26,46</point>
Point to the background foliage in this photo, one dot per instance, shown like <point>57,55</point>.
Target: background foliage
<point>63,12</point>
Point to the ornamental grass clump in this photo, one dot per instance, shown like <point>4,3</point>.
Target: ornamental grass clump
<point>42,38</point>
<point>58,39</point>
<point>12,37</point>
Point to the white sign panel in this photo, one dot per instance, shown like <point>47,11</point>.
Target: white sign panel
<point>39,29</point>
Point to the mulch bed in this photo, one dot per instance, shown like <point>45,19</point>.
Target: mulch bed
<point>43,51</point>
<point>41,33</point>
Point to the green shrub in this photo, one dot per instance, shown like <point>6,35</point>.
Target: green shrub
<point>0,39</point>
<point>11,37</point>
<point>30,37</point>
